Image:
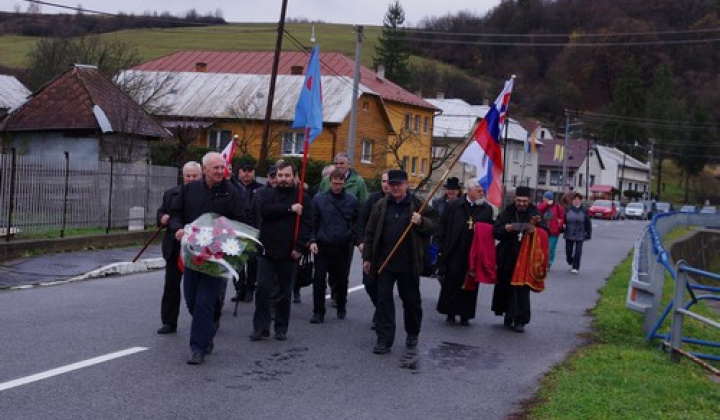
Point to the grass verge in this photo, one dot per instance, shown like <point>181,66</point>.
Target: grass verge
<point>621,376</point>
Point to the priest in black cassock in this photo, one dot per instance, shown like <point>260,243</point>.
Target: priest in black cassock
<point>511,225</point>
<point>457,225</point>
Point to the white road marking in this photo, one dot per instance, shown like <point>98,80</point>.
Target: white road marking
<point>350,290</point>
<point>69,368</point>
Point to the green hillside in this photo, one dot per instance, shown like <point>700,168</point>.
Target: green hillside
<point>156,43</point>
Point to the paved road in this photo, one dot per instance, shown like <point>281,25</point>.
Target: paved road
<point>322,371</point>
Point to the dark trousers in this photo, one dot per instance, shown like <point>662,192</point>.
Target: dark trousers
<point>202,294</point>
<point>170,304</point>
<point>273,275</point>
<point>573,253</point>
<point>409,291</point>
<point>248,277</point>
<point>518,306</point>
<point>370,284</point>
<point>332,262</point>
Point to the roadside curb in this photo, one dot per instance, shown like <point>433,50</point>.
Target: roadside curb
<point>119,268</point>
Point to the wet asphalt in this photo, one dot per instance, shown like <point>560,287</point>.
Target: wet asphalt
<point>54,267</point>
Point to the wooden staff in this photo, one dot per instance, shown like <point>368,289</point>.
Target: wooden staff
<point>149,241</point>
<point>427,200</point>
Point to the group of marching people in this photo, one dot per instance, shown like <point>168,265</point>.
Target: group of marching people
<point>392,230</point>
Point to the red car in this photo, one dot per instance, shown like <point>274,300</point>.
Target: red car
<point>603,209</point>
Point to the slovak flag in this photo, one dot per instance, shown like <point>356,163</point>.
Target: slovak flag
<point>227,154</point>
<point>309,108</point>
<point>484,150</point>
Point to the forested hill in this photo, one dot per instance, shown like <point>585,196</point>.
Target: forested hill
<point>576,53</point>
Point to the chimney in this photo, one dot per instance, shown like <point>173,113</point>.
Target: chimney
<point>201,67</point>
<point>440,95</point>
<point>380,72</point>
<point>296,70</point>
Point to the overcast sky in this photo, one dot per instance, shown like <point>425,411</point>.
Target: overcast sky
<point>368,12</point>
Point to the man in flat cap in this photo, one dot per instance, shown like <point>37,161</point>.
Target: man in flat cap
<point>510,226</point>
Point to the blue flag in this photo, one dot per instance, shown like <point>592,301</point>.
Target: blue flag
<point>309,111</point>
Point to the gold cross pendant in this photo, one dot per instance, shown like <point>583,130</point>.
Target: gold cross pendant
<point>520,236</point>
<point>470,224</point>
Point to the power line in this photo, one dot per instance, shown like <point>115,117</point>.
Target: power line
<point>560,35</point>
<point>557,44</point>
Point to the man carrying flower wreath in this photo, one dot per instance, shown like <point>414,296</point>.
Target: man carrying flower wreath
<point>211,194</point>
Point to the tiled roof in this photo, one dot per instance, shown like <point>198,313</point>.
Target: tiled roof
<point>260,62</point>
<point>82,98</point>
<point>576,152</point>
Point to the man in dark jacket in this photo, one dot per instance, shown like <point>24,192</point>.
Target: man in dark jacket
<point>335,232</point>
<point>212,194</point>
<point>510,226</point>
<point>170,304</point>
<point>388,220</point>
<point>245,285</point>
<point>280,211</point>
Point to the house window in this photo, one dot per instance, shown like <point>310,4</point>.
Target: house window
<point>413,166</point>
<point>407,122</point>
<point>405,163</point>
<point>591,180</point>
<point>580,180</point>
<point>366,106</point>
<point>555,178</point>
<point>514,181</point>
<point>367,150</point>
<point>542,177</point>
<point>417,123</point>
<point>292,143</point>
<point>527,181</point>
<point>423,167</point>
<point>426,125</point>
<point>218,139</point>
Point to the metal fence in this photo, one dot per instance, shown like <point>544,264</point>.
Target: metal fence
<point>39,194</point>
<point>651,261</point>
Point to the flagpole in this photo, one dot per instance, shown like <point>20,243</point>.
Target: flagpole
<point>301,187</point>
<point>470,139</point>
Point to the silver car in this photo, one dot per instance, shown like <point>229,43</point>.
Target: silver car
<point>636,211</point>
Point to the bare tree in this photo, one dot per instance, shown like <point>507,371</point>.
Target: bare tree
<point>51,56</point>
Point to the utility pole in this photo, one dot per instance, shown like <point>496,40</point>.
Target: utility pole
<point>265,143</point>
<point>356,85</point>
<point>565,153</point>
<point>650,168</point>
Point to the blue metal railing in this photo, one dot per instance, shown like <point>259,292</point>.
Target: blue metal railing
<point>650,263</point>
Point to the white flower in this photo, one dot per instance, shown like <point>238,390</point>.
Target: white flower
<point>204,237</point>
<point>231,247</point>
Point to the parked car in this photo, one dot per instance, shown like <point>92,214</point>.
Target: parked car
<point>637,210</point>
<point>663,207</point>
<point>620,210</point>
<point>603,209</point>
<point>689,208</point>
<point>708,210</point>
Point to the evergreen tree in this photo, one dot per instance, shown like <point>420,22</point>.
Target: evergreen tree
<point>390,50</point>
<point>693,155</point>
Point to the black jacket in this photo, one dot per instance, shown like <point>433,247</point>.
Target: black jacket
<point>277,222</point>
<point>419,235</point>
<point>335,219</point>
<point>170,245</point>
<point>196,199</point>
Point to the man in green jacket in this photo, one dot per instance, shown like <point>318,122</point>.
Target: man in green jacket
<point>354,183</point>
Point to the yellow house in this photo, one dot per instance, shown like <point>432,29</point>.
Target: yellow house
<point>394,127</point>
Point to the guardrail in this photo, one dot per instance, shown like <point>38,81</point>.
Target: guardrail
<point>650,263</point>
